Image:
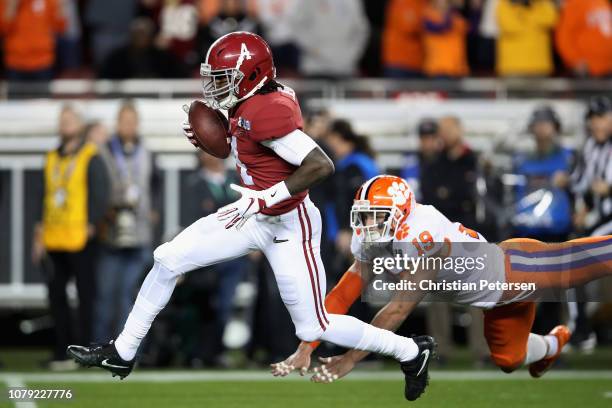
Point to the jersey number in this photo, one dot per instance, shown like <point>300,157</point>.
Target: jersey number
<point>426,243</point>
<point>247,180</point>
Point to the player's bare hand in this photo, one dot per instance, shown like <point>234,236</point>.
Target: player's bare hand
<point>298,361</point>
<point>333,368</point>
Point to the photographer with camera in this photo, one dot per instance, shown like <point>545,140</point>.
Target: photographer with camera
<point>127,230</point>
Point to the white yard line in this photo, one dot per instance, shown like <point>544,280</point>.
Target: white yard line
<point>203,376</point>
<point>17,382</point>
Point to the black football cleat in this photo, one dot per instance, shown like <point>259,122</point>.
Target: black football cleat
<point>103,356</point>
<point>416,370</point>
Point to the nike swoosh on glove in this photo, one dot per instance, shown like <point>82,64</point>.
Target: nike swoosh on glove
<point>251,202</point>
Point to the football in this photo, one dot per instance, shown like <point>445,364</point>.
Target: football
<point>210,128</point>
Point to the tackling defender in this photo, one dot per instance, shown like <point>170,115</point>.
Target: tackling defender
<point>385,211</point>
<point>277,163</point>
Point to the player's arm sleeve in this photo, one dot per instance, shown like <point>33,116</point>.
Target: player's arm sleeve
<point>293,147</point>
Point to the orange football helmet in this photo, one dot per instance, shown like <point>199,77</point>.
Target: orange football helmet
<point>381,205</point>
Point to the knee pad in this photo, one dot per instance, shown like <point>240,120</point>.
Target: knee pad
<point>163,259</point>
<point>163,256</point>
<point>309,332</point>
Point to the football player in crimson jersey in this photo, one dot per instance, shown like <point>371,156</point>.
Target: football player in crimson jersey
<point>277,163</point>
<point>385,210</point>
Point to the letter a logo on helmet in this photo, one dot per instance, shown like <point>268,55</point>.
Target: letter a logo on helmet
<point>244,54</point>
<point>237,65</point>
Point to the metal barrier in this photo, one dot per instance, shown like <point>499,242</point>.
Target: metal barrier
<point>492,88</point>
<point>20,282</point>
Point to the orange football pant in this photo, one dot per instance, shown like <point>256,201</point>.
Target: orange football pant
<point>506,329</point>
<point>557,265</point>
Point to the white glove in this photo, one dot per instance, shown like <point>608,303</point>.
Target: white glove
<point>187,130</point>
<point>251,202</point>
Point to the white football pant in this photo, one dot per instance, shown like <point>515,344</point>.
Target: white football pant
<point>291,243</point>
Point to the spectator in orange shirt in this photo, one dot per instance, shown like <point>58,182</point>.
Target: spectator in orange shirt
<point>402,40</point>
<point>29,28</point>
<point>584,37</point>
<point>444,41</point>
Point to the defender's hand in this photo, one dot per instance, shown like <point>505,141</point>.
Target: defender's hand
<point>238,212</point>
<point>333,368</point>
<point>300,360</point>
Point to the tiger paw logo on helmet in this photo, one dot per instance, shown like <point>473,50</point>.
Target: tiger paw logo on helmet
<point>399,192</point>
<point>402,232</point>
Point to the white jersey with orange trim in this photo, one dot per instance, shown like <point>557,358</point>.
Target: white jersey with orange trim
<point>427,232</point>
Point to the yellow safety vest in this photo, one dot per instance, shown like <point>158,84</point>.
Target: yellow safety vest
<point>65,216</point>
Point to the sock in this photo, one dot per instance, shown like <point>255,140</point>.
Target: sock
<point>349,332</point>
<point>153,296</point>
<point>553,345</point>
<point>536,348</point>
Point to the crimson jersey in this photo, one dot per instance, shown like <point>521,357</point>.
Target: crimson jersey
<point>257,119</point>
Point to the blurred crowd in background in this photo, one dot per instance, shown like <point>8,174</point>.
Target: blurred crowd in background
<point>122,39</point>
<point>111,250</point>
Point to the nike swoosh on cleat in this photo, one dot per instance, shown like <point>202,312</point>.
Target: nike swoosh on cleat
<point>426,353</point>
<point>279,241</point>
<point>104,363</point>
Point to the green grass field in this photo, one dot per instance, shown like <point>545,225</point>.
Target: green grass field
<point>574,389</point>
<point>586,383</point>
